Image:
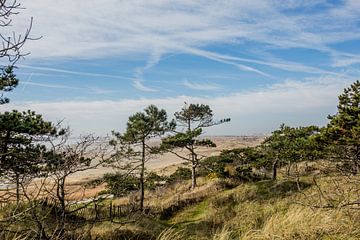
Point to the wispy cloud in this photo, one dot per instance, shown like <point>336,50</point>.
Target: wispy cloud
<point>94,90</point>
<point>149,30</point>
<point>89,29</point>
<point>154,58</point>
<point>138,84</point>
<point>88,74</point>
<point>56,86</point>
<point>201,86</point>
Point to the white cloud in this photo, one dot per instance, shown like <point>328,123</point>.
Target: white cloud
<point>201,86</point>
<point>46,85</point>
<point>65,71</point>
<point>261,111</point>
<point>139,72</point>
<point>89,29</point>
<point>138,84</point>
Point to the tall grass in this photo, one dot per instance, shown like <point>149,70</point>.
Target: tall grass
<point>264,210</point>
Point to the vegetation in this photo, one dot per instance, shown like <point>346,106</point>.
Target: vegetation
<point>300,183</point>
<point>291,145</point>
<point>192,118</point>
<point>8,82</point>
<point>134,143</point>
<point>11,46</point>
<point>22,136</point>
<point>343,131</point>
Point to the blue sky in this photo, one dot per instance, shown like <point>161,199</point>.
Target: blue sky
<point>260,62</point>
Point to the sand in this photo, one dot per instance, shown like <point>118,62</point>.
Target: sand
<point>169,161</point>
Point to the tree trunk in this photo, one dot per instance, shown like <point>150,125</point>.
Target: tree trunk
<point>193,168</point>
<point>288,169</point>
<point>40,232</point>
<point>17,188</point>
<point>193,162</point>
<point>61,198</point>
<point>142,171</point>
<point>193,176</point>
<point>274,170</point>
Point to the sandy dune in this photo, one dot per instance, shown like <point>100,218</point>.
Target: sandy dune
<point>166,161</point>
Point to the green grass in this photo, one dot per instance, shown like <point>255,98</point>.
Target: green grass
<point>191,214</point>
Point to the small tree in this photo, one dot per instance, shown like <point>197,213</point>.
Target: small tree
<point>291,145</point>
<point>343,131</point>
<point>22,135</point>
<point>134,144</point>
<point>192,118</point>
<point>66,158</point>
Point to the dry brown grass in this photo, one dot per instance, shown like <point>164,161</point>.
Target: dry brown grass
<point>276,211</point>
<point>298,223</point>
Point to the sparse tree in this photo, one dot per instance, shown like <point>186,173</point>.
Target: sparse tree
<point>66,158</point>
<point>11,45</point>
<point>11,42</point>
<point>192,118</point>
<point>134,147</point>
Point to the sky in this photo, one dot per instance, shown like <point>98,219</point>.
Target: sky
<point>259,62</point>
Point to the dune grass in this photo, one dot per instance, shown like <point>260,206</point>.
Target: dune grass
<point>270,210</point>
<point>267,210</point>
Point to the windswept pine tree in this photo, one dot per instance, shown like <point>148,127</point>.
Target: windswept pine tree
<point>133,144</point>
<point>192,118</point>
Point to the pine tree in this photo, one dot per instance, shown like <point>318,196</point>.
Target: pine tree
<point>134,143</point>
<point>343,131</point>
<point>8,82</point>
<point>22,136</point>
<point>192,118</point>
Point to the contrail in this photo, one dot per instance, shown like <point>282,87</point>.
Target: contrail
<point>27,81</point>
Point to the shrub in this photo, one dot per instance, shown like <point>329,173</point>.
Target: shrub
<point>181,173</point>
<point>121,184</point>
<point>154,180</point>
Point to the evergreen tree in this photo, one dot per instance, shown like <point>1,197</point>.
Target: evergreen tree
<point>134,143</point>
<point>192,118</point>
<point>8,82</point>
<point>343,131</point>
<point>22,135</point>
<point>289,145</point>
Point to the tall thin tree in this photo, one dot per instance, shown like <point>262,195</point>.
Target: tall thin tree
<point>192,119</point>
<point>134,143</point>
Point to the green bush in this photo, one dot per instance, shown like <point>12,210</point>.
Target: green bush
<point>121,184</point>
<point>215,166</point>
<point>181,173</point>
<point>154,180</point>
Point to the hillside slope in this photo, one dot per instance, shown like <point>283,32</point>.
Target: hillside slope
<point>285,209</point>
